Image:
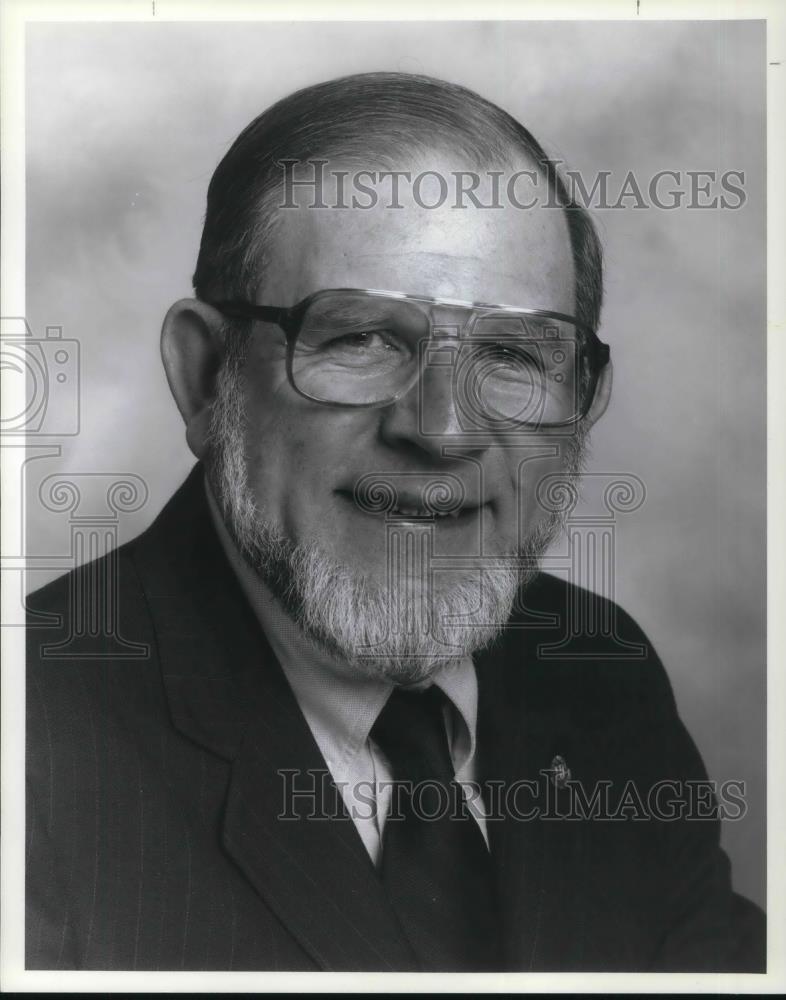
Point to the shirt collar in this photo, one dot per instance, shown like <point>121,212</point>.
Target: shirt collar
<point>341,708</point>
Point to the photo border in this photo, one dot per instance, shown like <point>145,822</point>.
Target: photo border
<point>15,15</point>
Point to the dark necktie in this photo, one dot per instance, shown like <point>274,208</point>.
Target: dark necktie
<point>435,864</point>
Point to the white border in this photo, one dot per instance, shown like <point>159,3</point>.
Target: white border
<point>15,13</point>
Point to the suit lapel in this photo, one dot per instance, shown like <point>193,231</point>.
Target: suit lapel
<point>302,851</point>
<point>227,693</point>
<point>539,861</point>
<point>516,846</point>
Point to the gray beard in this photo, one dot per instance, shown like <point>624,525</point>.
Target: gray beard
<point>403,631</point>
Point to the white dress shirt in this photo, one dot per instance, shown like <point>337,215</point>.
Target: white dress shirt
<point>341,708</point>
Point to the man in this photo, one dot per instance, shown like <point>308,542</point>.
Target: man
<point>355,743</point>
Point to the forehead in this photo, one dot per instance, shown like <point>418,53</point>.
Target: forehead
<point>475,253</point>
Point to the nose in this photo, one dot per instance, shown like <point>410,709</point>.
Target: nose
<point>428,417</point>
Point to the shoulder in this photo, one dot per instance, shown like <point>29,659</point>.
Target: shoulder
<point>94,603</point>
<point>569,648</point>
<point>91,645</point>
<point>95,637</point>
<point>89,613</point>
<point>91,657</point>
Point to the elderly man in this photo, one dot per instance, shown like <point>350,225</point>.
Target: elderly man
<point>349,747</point>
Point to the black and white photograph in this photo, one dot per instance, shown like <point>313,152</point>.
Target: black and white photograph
<point>385,563</point>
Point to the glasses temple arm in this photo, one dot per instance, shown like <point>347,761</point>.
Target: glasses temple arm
<point>245,310</point>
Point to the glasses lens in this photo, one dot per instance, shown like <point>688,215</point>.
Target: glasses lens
<point>521,370</point>
<point>355,348</point>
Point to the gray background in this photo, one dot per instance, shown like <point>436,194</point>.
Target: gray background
<point>126,122</point>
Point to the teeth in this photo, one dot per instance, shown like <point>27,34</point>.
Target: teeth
<point>419,512</point>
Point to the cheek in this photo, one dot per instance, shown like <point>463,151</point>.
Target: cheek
<point>277,451</point>
<point>537,482</point>
<point>295,451</point>
<point>275,442</point>
<point>275,430</point>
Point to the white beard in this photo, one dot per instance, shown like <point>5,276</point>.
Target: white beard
<point>403,631</point>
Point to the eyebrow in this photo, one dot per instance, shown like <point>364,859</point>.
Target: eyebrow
<point>354,311</point>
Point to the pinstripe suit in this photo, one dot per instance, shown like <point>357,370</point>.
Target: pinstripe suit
<point>154,790</point>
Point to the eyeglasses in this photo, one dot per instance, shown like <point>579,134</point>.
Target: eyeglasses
<point>368,348</point>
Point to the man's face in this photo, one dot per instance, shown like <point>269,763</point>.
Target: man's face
<point>304,459</point>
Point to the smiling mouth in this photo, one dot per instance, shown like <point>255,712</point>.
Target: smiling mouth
<point>422,514</point>
<point>410,510</point>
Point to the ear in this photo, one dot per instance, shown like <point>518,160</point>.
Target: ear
<point>602,395</point>
<point>192,349</point>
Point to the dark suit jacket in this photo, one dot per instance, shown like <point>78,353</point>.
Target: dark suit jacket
<point>152,830</point>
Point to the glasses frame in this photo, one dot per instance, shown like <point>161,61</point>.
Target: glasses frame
<point>290,319</point>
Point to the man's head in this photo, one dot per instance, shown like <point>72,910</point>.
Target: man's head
<point>396,589</point>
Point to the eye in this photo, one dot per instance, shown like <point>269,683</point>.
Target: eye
<point>508,356</point>
<point>365,348</point>
<point>366,339</point>
<point>371,343</point>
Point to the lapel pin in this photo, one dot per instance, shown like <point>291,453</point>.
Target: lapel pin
<point>559,772</point>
